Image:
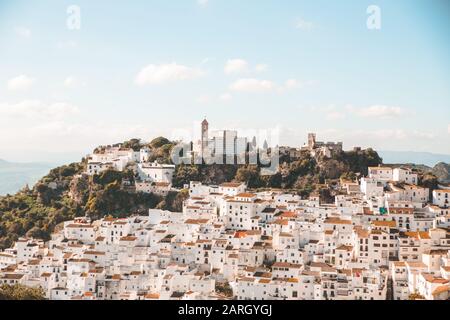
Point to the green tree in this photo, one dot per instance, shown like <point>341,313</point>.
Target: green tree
<point>416,296</point>
<point>224,288</point>
<point>159,142</point>
<point>184,174</point>
<point>250,175</point>
<point>107,177</point>
<point>20,292</point>
<point>134,144</point>
<point>349,176</point>
<point>360,160</point>
<point>272,181</point>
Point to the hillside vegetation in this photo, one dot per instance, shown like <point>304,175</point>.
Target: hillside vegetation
<point>20,292</point>
<point>303,174</point>
<point>65,193</point>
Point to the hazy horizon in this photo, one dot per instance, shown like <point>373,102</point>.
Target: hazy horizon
<point>389,156</point>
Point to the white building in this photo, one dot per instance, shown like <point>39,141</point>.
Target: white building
<point>264,245</point>
<point>441,197</point>
<point>405,175</point>
<point>381,174</point>
<point>155,172</point>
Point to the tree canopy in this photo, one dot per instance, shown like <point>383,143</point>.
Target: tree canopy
<point>20,292</point>
<point>159,142</point>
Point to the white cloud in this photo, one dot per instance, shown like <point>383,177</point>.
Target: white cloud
<point>449,128</point>
<point>236,66</point>
<point>252,85</point>
<point>225,97</point>
<point>73,82</point>
<point>304,25</point>
<point>68,140</point>
<point>202,3</point>
<point>240,66</point>
<point>21,82</point>
<point>36,109</point>
<point>375,111</point>
<point>166,73</point>
<point>261,67</point>
<point>23,32</point>
<point>379,111</point>
<point>297,84</point>
<point>91,132</point>
<point>292,84</point>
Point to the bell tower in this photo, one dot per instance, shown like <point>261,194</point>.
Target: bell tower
<point>311,140</point>
<point>205,129</point>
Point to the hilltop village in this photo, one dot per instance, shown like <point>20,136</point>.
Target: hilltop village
<point>383,237</point>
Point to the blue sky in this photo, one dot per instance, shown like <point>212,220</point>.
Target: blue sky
<point>148,68</point>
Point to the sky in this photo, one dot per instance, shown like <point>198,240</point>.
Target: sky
<point>149,68</point>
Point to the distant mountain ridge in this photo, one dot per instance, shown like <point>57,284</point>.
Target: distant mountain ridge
<point>14,176</point>
<point>412,157</point>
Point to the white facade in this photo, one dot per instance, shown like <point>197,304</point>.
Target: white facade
<point>371,187</point>
<point>441,197</point>
<point>266,245</point>
<point>111,158</point>
<point>383,174</point>
<point>404,175</point>
<point>155,172</point>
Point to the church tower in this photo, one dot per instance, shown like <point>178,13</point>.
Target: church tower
<point>204,145</point>
<point>311,141</point>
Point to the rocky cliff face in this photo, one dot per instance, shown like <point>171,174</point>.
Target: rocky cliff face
<point>442,172</point>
